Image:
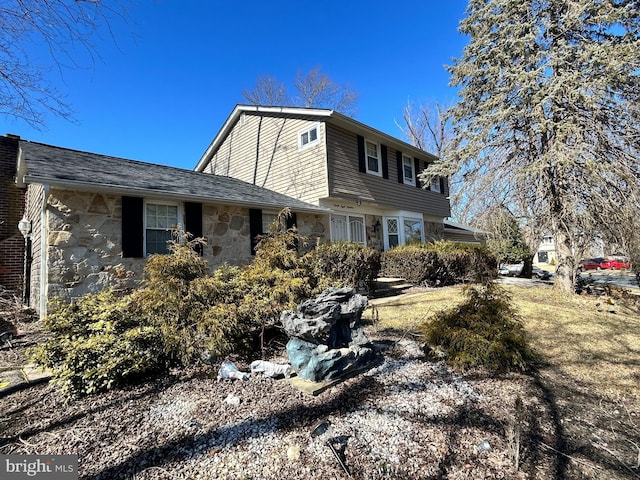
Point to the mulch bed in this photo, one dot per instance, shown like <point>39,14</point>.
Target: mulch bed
<point>408,417</point>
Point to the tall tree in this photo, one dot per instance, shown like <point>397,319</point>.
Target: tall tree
<point>313,89</point>
<point>550,108</point>
<point>61,26</point>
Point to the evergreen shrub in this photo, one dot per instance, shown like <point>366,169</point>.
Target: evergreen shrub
<point>439,264</point>
<point>343,264</point>
<point>485,330</point>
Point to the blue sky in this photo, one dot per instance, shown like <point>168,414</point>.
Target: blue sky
<point>163,88</point>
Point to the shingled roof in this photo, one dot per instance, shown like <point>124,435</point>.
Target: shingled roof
<point>73,169</point>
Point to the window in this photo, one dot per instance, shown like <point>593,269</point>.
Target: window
<point>393,235</point>
<point>435,184</point>
<point>407,170</point>
<point>348,228</point>
<point>160,221</point>
<point>412,231</point>
<point>372,152</point>
<point>308,136</point>
<point>403,231</point>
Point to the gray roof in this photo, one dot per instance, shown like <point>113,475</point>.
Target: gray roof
<point>72,169</point>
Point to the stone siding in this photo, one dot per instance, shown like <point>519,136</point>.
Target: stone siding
<point>84,245</point>
<point>84,241</point>
<point>433,231</point>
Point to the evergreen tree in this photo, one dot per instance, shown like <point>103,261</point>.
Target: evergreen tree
<point>550,108</point>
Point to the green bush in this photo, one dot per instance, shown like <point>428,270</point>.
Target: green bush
<point>485,330</point>
<point>439,264</point>
<point>342,264</point>
<point>183,315</point>
<point>96,345</point>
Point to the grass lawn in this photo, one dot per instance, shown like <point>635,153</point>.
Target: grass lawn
<point>588,376</point>
<point>595,340</point>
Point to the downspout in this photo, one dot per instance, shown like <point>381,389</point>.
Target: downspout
<point>255,166</point>
<point>44,250</point>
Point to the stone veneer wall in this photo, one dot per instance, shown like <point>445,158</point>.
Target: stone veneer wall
<point>84,241</point>
<point>84,245</point>
<point>433,231</point>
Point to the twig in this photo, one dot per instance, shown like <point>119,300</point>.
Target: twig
<point>582,462</point>
<point>637,461</point>
<point>616,457</point>
<point>25,442</point>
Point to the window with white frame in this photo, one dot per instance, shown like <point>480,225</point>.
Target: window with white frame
<point>372,151</point>
<point>309,136</point>
<point>408,173</point>
<point>160,219</point>
<point>435,184</point>
<point>348,228</point>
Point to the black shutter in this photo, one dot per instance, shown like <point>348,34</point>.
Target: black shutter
<point>132,227</point>
<point>385,162</point>
<point>442,185</point>
<point>193,222</point>
<point>446,186</point>
<point>400,166</point>
<point>362,165</point>
<point>255,227</point>
<point>292,220</point>
<point>416,164</point>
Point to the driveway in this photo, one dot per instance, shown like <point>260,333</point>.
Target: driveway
<point>621,278</point>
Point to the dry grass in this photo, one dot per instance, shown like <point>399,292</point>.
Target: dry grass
<point>595,340</point>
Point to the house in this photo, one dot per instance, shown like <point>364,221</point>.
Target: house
<point>90,220</point>
<point>366,178</point>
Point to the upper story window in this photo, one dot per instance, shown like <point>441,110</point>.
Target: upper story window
<point>435,184</point>
<point>309,136</point>
<point>160,220</point>
<point>408,174</point>
<point>372,151</point>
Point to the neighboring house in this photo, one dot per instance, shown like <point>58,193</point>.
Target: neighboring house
<point>546,253</point>
<point>93,219</point>
<point>457,232</point>
<point>368,179</point>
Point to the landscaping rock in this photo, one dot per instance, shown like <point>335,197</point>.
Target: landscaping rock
<point>327,337</point>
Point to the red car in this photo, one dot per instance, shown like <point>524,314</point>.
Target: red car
<point>590,264</point>
<point>614,264</point>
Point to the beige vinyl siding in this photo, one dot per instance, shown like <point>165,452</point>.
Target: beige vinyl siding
<point>264,151</point>
<point>346,181</point>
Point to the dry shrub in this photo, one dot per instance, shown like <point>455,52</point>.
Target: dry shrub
<point>485,330</point>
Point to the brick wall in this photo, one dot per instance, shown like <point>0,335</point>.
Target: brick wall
<point>11,210</point>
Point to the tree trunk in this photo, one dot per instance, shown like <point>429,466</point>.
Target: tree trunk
<point>527,267</point>
<point>566,270</point>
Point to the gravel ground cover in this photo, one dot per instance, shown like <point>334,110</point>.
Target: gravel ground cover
<point>408,417</point>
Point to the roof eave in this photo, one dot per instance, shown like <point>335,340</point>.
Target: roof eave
<point>119,190</point>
